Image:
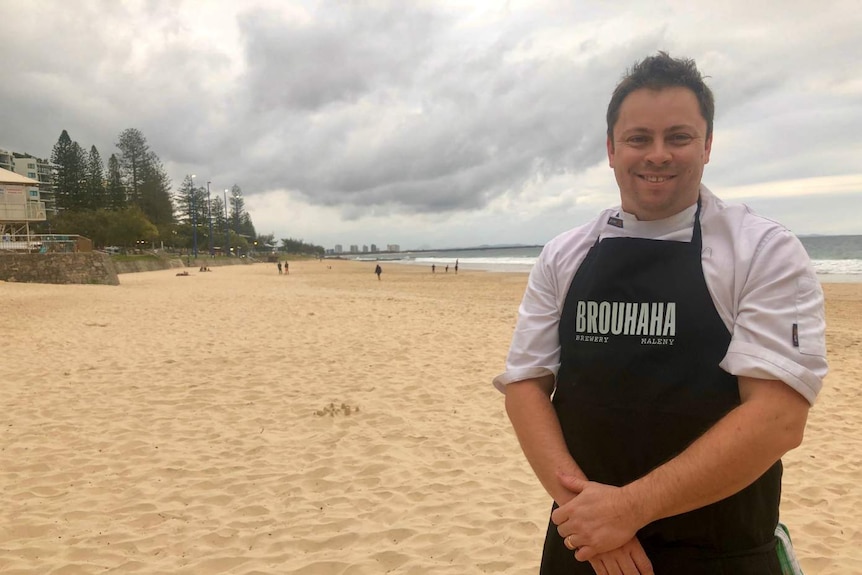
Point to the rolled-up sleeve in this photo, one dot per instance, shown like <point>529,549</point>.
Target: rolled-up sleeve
<point>780,328</point>
<point>535,348</point>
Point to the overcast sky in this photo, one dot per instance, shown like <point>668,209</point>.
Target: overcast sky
<point>439,123</point>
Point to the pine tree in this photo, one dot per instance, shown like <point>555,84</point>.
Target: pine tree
<point>115,196</point>
<point>184,200</point>
<point>134,158</point>
<point>245,225</point>
<point>237,207</point>
<point>94,182</point>
<point>218,214</point>
<point>155,195</point>
<point>70,165</point>
<point>147,183</point>
<point>78,175</point>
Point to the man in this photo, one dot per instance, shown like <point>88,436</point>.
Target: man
<point>665,356</point>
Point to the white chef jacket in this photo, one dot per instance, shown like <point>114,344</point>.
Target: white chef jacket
<point>758,274</point>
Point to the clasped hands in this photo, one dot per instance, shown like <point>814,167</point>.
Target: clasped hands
<point>599,524</point>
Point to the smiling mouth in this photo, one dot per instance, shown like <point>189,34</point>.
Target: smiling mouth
<point>656,179</point>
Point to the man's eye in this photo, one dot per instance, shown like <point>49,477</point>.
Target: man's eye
<point>635,140</point>
<point>680,138</point>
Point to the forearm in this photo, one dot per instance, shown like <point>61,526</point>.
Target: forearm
<point>535,421</point>
<point>727,458</point>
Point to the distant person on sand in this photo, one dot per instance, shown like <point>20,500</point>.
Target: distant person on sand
<point>447,268</point>
<point>433,268</point>
<point>456,266</point>
<point>378,270</point>
<point>287,268</point>
<point>279,268</point>
<point>665,357</point>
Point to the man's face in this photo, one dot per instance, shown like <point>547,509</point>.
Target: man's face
<point>658,151</point>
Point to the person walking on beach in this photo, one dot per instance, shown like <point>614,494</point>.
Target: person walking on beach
<point>279,268</point>
<point>456,266</point>
<point>378,270</point>
<point>287,268</point>
<point>665,356</point>
<point>433,268</point>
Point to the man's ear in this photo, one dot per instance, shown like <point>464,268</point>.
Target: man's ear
<point>610,145</point>
<point>707,149</point>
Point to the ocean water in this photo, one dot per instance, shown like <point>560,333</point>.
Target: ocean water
<point>835,258</point>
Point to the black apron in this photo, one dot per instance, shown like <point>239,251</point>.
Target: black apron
<point>639,381</point>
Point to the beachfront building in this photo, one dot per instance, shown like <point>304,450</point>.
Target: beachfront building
<point>393,248</point>
<point>19,205</point>
<point>354,249</point>
<point>338,249</point>
<point>373,248</point>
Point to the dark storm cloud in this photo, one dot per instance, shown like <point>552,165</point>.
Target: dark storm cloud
<point>341,55</point>
<point>366,113</point>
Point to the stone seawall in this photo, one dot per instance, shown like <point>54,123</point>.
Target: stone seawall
<point>147,265</point>
<point>151,264</point>
<point>79,268</point>
<point>91,267</point>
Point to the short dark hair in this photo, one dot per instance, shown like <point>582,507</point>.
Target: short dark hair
<point>659,72</point>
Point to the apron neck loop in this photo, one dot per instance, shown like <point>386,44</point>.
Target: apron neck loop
<point>696,238</point>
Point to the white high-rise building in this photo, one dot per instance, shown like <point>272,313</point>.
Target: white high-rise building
<point>39,170</point>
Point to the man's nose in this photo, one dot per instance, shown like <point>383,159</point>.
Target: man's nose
<point>659,153</point>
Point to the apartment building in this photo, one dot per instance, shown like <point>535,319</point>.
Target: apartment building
<point>39,170</point>
<point>6,160</point>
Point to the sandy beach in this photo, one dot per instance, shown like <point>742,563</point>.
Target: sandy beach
<point>322,422</point>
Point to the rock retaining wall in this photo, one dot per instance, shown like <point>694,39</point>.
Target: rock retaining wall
<point>165,263</point>
<point>147,265</point>
<point>91,267</point>
<point>79,268</point>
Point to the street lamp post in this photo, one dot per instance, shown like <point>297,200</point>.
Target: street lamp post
<point>210,218</point>
<point>237,197</point>
<point>194,220</point>
<point>226,226</point>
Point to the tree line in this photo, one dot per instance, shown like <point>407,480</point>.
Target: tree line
<point>132,202</point>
